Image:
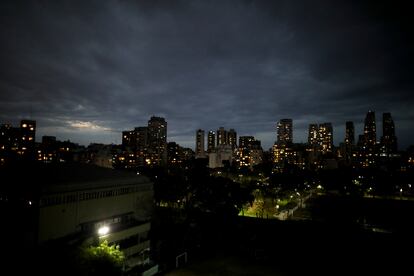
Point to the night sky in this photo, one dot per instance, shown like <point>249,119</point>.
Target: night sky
<point>86,70</point>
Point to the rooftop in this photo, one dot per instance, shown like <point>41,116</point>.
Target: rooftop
<point>36,176</point>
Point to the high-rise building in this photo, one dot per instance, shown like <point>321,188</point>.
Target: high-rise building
<point>174,154</point>
<point>326,137</point>
<point>141,142</point>
<point>370,131</point>
<point>313,136</point>
<point>141,138</point>
<point>199,149</point>
<point>388,139</point>
<point>361,141</point>
<point>128,139</point>
<point>285,132</point>
<point>221,136</point>
<point>349,133</point>
<point>249,152</point>
<point>157,141</point>
<point>232,138</point>
<point>245,141</point>
<point>28,136</point>
<point>211,143</point>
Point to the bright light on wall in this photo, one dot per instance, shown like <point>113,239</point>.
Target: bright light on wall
<point>103,230</point>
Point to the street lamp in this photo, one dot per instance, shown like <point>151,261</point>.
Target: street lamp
<point>103,230</point>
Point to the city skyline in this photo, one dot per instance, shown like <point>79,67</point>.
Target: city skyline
<point>88,71</point>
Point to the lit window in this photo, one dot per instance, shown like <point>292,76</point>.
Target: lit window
<point>24,125</point>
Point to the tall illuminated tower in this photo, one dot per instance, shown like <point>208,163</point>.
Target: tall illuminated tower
<point>157,140</point>
<point>326,137</point>
<point>285,132</point>
<point>28,136</point>
<point>313,135</point>
<point>370,131</point>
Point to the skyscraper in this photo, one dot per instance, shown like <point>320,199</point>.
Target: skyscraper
<point>199,149</point>
<point>28,136</point>
<point>388,139</point>
<point>221,136</point>
<point>141,144</point>
<point>249,153</point>
<point>141,138</point>
<point>326,137</point>
<point>284,131</point>
<point>232,138</point>
<point>245,141</point>
<point>211,143</point>
<point>370,131</point>
<point>157,140</point>
<point>349,133</point>
<point>313,136</point>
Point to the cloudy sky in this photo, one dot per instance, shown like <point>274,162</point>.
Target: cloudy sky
<point>86,70</point>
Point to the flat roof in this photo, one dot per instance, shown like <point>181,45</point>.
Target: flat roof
<point>36,177</point>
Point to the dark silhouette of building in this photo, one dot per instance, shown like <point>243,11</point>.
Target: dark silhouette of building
<point>369,150</point>
<point>128,139</point>
<point>211,141</point>
<point>349,133</point>
<point>18,143</point>
<point>232,138</point>
<point>370,131</point>
<point>388,139</point>
<point>199,148</point>
<point>221,136</point>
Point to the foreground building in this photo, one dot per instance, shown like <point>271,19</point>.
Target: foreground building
<point>82,203</point>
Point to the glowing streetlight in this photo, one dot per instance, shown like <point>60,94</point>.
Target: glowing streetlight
<point>103,230</point>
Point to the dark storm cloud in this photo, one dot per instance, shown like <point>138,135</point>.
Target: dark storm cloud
<point>88,70</point>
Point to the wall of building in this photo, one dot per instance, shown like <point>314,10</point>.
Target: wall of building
<point>62,214</point>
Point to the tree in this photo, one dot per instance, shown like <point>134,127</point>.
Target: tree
<point>103,259</point>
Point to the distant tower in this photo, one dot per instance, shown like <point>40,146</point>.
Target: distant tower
<point>141,136</point>
<point>199,149</point>
<point>232,138</point>
<point>370,131</point>
<point>157,140</point>
<point>326,137</point>
<point>28,131</point>
<point>388,139</point>
<point>313,135</point>
<point>141,143</point>
<point>245,141</point>
<point>211,143</point>
<point>28,137</point>
<point>128,139</point>
<point>284,132</point>
<point>221,136</point>
<point>349,133</point>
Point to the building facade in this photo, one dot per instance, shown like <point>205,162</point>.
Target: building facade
<point>285,131</point>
